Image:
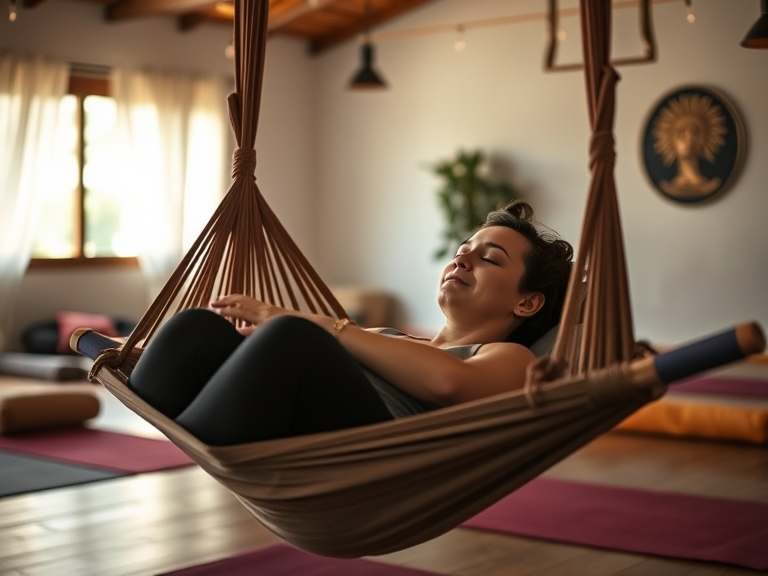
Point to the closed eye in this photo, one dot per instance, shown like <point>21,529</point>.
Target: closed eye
<point>490,261</point>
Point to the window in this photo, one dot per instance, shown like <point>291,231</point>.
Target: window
<point>81,212</point>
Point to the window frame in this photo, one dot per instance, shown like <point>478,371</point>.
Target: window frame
<point>80,86</point>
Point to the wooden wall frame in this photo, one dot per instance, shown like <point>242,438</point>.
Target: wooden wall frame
<point>646,34</point>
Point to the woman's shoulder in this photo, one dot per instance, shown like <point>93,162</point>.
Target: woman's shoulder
<point>507,349</point>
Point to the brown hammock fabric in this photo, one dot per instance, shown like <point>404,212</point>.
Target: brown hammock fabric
<point>384,487</point>
<point>607,335</point>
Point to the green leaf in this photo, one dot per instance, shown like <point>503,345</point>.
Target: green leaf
<point>464,197</point>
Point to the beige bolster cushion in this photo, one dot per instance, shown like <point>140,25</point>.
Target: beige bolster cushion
<point>26,406</point>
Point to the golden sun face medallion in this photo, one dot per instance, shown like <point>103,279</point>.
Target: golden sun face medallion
<point>692,144</point>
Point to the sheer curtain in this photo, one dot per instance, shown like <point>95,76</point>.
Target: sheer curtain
<point>30,94</point>
<point>172,131</point>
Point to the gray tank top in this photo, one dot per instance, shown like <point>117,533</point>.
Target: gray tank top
<point>400,403</point>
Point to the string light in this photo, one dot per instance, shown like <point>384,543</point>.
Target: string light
<point>689,15</point>
<point>12,11</point>
<point>561,33</point>
<point>461,44</point>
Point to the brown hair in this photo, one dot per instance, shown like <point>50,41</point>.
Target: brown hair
<point>547,268</point>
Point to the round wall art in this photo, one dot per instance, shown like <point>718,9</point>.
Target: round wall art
<point>693,144</point>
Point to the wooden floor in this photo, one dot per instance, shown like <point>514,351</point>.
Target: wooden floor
<point>151,523</point>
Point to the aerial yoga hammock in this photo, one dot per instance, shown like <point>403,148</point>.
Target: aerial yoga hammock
<point>384,487</point>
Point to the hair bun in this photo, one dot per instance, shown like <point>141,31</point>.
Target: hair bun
<point>520,209</point>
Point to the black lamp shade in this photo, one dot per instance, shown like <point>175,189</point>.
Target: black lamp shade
<point>367,78</point>
<point>757,37</point>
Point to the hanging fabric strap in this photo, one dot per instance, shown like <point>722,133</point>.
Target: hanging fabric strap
<point>599,274</point>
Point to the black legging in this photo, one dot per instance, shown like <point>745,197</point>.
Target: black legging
<point>290,377</point>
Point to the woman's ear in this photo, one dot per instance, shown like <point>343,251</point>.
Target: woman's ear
<point>530,304</point>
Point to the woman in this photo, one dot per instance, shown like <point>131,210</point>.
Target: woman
<point>288,373</point>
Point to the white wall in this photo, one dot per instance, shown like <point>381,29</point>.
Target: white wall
<point>693,269</point>
<point>346,171</point>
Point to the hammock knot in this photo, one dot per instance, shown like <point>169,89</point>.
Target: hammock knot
<point>643,349</point>
<point>243,163</point>
<point>612,385</point>
<point>107,358</point>
<point>544,369</point>
<point>602,148</point>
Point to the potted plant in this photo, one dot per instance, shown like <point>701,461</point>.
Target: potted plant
<point>466,196</point>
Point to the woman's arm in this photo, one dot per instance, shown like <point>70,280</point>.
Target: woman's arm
<point>430,374</point>
<point>421,370</point>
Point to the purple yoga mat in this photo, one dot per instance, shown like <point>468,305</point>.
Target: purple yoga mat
<point>724,386</point>
<point>631,520</point>
<point>283,560</point>
<point>98,449</point>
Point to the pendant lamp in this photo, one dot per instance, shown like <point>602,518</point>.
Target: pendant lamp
<point>366,78</point>
<point>757,37</point>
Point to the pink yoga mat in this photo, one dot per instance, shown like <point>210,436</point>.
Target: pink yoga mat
<point>631,520</point>
<point>283,560</point>
<point>99,449</point>
<point>724,386</point>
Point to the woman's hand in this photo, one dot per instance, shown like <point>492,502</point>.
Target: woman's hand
<point>250,312</point>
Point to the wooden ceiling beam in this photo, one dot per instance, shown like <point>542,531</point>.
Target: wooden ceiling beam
<point>286,16</point>
<point>378,17</point>
<point>127,9</point>
<point>193,12</point>
<point>187,22</point>
<point>278,20</point>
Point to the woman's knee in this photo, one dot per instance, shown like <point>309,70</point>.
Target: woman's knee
<point>190,334</point>
<point>182,357</point>
<point>196,319</point>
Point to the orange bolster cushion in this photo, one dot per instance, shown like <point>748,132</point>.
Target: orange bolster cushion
<point>757,359</point>
<point>30,406</point>
<point>676,417</point>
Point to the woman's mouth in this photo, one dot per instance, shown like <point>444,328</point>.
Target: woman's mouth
<point>454,278</point>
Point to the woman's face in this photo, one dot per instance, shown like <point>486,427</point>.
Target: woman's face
<point>482,282</point>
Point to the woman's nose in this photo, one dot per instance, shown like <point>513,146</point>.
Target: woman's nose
<point>461,261</point>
